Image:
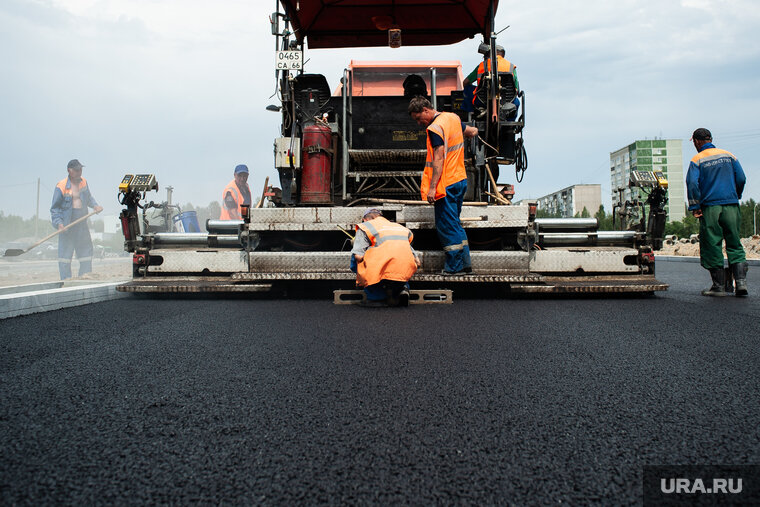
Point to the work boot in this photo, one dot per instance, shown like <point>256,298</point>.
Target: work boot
<point>718,288</point>
<point>739,271</point>
<point>729,280</point>
<point>392,295</point>
<point>403,298</point>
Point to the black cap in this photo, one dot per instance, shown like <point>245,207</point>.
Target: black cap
<point>701,134</point>
<point>74,164</point>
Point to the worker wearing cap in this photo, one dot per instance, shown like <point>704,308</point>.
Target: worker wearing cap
<point>235,194</point>
<point>383,259</point>
<point>71,199</point>
<point>715,182</point>
<point>503,66</point>
<point>444,180</point>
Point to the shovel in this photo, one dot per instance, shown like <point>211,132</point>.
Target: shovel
<point>13,252</point>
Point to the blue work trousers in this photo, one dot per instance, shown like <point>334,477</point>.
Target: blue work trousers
<point>379,291</point>
<point>75,239</point>
<point>450,230</point>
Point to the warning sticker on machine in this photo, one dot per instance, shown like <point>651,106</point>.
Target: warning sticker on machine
<point>407,135</point>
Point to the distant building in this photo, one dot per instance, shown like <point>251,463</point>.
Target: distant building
<point>571,200</point>
<point>111,224</point>
<point>664,155</point>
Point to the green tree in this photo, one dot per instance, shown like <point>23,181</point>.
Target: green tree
<point>540,213</point>
<point>747,209</point>
<point>690,225</point>
<point>13,227</point>
<point>605,220</point>
<point>685,228</point>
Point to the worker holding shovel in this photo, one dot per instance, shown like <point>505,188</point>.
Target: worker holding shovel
<point>71,200</point>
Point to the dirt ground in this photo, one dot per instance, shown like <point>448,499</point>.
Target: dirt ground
<point>751,247</point>
<point>23,272</point>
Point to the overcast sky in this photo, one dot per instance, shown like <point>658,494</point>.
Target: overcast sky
<point>178,88</point>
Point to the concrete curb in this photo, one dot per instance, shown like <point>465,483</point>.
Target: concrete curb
<point>45,299</point>
<point>30,287</point>
<point>686,258</point>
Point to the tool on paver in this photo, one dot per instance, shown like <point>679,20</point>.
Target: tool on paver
<point>345,232</point>
<point>263,193</point>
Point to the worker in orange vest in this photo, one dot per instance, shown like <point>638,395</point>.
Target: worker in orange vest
<point>444,180</point>
<point>236,193</point>
<point>503,66</point>
<point>383,259</point>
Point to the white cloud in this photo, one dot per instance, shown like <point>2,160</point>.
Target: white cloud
<point>188,20</point>
<point>179,87</point>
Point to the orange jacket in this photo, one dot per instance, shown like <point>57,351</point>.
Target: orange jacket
<point>63,202</point>
<point>502,65</point>
<point>228,214</point>
<point>449,127</point>
<point>389,257</point>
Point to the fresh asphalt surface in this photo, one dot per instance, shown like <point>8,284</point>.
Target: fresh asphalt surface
<point>506,401</point>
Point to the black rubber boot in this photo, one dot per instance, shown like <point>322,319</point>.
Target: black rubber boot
<point>729,280</point>
<point>718,283</point>
<point>393,291</point>
<point>740,277</point>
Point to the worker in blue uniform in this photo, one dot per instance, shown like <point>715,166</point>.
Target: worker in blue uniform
<point>714,183</point>
<point>71,199</point>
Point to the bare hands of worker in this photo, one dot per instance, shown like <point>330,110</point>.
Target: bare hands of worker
<point>60,226</point>
<point>431,196</point>
<point>697,213</point>
<point>98,209</point>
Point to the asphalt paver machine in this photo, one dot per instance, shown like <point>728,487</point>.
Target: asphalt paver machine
<point>345,148</point>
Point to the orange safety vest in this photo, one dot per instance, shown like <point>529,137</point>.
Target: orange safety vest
<point>228,214</point>
<point>389,257</point>
<point>449,127</point>
<point>62,209</point>
<point>66,191</point>
<point>502,65</point>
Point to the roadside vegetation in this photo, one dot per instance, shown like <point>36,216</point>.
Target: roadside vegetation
<point>683,229</point>
<point>15,229</point>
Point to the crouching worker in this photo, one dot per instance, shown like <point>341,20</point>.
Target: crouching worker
<point>383,260</point>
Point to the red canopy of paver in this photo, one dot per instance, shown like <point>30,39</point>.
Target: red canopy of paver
<point>365,23</point>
